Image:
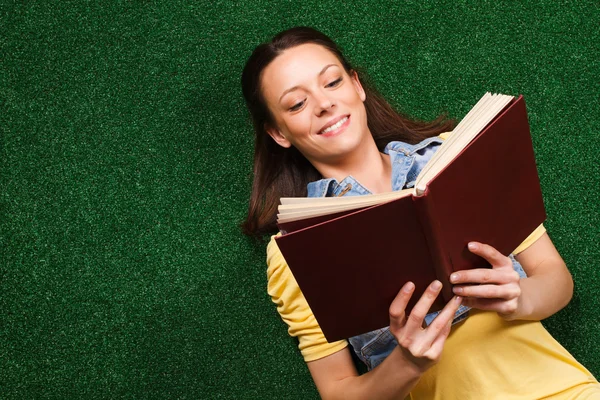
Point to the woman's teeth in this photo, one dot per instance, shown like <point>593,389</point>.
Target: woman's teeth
<point>335,126</point>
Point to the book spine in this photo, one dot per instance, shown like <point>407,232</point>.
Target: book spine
<point>442,263</point>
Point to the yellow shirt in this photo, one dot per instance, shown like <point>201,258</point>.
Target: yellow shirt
<point>486,357</point>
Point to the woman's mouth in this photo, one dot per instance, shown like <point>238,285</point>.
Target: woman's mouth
<point>336,128</point>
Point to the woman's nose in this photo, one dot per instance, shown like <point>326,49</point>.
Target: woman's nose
<point>323,103</point>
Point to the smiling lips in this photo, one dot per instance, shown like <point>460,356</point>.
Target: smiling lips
<point>335,127</point>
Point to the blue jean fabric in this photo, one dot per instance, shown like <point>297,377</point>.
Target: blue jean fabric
<point>407,161</point>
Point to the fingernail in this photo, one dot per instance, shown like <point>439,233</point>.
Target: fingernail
<point>409,287</point>
<point>458,290</point>
<point>458,299</point>
<point>436,285</point>
<point>472,246</point>
<point>453,277</point>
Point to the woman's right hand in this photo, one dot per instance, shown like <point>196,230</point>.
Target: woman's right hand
<point>418,349</point>
<point>421,346</point>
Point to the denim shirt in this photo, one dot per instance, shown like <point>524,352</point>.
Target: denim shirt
<point>407,161</point>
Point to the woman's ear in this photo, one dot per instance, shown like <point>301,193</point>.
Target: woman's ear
<point>277,136</point>
<point>358,85</point>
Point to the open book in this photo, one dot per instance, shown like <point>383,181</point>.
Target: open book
<point>351,255</point>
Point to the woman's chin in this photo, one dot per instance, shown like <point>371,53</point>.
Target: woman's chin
<point>343,150</point>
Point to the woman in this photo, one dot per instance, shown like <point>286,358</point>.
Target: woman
<point>321,132</point>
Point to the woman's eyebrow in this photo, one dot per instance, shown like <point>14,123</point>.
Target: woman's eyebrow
<point>325,68</point>
<point>297,87</point>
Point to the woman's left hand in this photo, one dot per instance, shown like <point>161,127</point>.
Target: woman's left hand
<point>496,289</point>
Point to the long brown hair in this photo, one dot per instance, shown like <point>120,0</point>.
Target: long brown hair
<point>285,172</point>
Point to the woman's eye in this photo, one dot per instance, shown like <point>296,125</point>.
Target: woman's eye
<point>334,83</point>
<point>297,106</point>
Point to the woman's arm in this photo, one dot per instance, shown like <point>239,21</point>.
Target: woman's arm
<point>418,349</point>
<point>547,288</point>
<point>336,378</point>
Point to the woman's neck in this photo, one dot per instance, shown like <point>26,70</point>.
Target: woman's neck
<point>368,166</point>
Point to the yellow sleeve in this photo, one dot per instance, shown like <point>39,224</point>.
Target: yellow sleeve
<point>535,235</point>
<point>294,309</point>
<point>445,135</point>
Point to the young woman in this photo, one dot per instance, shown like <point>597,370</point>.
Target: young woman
<point>321,132</point>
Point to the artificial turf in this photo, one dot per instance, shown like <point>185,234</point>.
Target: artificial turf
<point>125,170</point>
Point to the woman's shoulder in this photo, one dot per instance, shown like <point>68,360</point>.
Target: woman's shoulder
<point>275,259</point>
<point>444,135</point>
<point>294,309</point>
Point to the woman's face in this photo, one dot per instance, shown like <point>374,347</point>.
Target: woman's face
<point>316,105</point>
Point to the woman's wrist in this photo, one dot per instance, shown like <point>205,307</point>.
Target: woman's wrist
<point>406,365</point>
<point>524,309</point>
<point>535,304</point>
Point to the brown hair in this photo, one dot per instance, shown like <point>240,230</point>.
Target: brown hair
<point>285,172</point>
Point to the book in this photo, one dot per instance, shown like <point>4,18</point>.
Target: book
<point>351,255</point>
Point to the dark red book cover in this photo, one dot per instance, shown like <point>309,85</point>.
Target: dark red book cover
<point>351,268</point>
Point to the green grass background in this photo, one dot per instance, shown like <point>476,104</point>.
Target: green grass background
<point>126,164</point>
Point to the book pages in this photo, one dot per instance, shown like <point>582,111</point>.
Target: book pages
<point>315,201</point>
<point>339,201</point>
<point>301,212</point>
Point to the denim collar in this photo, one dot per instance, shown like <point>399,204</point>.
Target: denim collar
<point>406,160</point>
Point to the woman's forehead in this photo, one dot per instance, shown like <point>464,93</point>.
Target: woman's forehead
<point>296,66</point>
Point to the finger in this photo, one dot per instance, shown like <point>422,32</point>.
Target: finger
<point>506,292</point>
<point>485,275</point>
<point>493,256</point>
<point>398,306</point>
<point>443,320</point>
<point>420,310</point>
<point>438,344</point>
<point>502,307</point>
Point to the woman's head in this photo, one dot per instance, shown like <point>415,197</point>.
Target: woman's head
<point>265,54</point>
<point>315,105</point>
<point>297,86</point>
<point>309,106</point>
